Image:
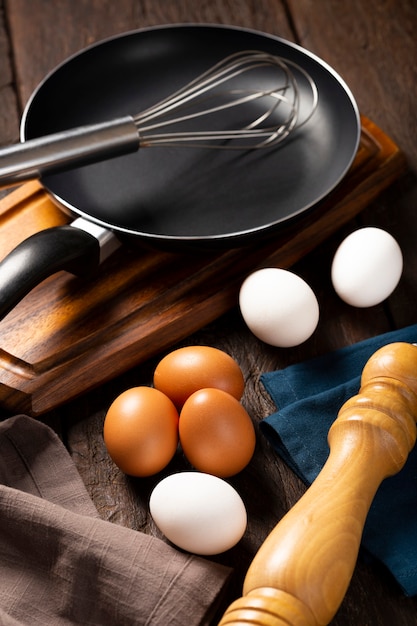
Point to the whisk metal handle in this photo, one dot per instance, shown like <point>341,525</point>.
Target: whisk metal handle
<point>70,148</point>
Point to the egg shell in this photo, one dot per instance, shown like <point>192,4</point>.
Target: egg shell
<point>141,431</point>
<point>216,433</point>
<point>279,307</point>
<point>182,372</point>
<point>366,267</point>
<point>198,512</point>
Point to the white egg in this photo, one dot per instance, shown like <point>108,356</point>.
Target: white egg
<point>367,267</point>
<point>198,512</point>
<point>279,307</point>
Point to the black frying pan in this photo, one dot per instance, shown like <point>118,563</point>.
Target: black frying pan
<point>177,198</point>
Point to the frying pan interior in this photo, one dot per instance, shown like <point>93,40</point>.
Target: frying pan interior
<point>193,195</point>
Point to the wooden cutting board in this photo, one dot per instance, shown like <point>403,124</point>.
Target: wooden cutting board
<point>69,335</point>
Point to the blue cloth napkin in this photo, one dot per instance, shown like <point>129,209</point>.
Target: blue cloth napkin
<point>308,397</point>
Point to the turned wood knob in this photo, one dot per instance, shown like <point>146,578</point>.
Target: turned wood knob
<point>302,570</point>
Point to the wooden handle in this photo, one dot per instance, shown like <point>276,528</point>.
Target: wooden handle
<point>301,572</point>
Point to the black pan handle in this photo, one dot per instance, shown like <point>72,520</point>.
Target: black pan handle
<point>41,255</point>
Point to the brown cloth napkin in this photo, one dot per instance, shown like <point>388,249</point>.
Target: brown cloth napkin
<point>61,564</point>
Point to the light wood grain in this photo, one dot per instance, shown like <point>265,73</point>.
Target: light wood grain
<point>300,574</point>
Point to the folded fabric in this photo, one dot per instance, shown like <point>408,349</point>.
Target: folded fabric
<point>308,397</point>
<point>61,564</point>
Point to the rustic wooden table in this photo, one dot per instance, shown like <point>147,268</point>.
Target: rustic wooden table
<point>373,46</point>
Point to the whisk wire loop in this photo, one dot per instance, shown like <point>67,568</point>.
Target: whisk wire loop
<point>205,95</point>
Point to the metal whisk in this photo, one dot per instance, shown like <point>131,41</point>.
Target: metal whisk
<point>250,99</point>
<point>282,92</point>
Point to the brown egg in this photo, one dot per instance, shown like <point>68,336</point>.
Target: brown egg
<point>216,433</point>
<point>141,431</point>
<point>186,370</point>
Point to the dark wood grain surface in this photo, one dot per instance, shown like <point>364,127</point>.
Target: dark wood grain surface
<point>373,46</point>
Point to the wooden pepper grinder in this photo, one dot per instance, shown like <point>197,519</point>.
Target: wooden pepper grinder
<point>302,570</point>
